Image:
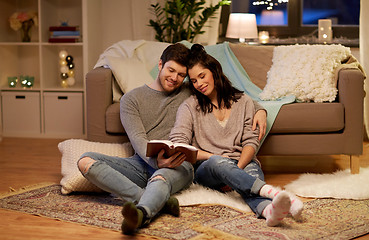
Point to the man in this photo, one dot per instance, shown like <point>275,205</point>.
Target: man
<point>148,112</point>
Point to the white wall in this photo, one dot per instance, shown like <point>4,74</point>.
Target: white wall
<point>117,21</point>
<point>125,19</point>
<point>364,53</point>
<point>129,19</point>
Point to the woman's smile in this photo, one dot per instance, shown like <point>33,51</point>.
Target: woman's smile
<point>203,89</point>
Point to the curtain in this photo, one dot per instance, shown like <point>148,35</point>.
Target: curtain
<point>364,56</point>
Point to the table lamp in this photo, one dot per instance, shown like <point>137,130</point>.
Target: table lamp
<point>242,26</point>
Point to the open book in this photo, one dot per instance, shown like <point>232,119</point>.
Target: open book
<point>154,147</point>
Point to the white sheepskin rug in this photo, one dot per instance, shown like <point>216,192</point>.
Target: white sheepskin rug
<point>198,194</point>
<point>341,185</point>
<point>305,71</point>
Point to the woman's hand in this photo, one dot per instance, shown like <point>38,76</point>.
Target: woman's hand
<point>260,120</point>
<point>202,155</point>
<point>173,161</point>
<point>246,156</point>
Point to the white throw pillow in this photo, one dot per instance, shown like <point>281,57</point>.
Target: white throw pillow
<point>305,71</point>
<point>72,149</point>
<point>129,73</point>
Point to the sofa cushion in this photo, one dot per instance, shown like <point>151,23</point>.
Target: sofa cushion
<point>307,72</point>
<point>256,60</point>
<point>72,149</point>
<point>129,73</point>
<point>112,119</point>
<point>309,118</point>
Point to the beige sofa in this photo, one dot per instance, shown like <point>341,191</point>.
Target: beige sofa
<point>299,129</point>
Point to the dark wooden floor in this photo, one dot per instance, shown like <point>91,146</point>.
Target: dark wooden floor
<point>25,162</point>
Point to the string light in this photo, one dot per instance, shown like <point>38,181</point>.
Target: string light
<point>269,3</point>
<point>66,69</point>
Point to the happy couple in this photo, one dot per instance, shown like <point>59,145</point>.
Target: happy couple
<point>221,121</point>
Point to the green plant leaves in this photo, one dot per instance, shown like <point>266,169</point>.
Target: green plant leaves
<point>181,19</point>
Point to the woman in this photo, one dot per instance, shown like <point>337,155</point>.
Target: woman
<point>217,120</point>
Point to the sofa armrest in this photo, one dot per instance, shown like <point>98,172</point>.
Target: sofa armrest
<point>351,95</point>
<point>99,97</point>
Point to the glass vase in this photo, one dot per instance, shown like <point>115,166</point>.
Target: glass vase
<point>26,31</point>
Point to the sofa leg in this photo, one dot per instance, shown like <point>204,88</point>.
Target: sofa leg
<point>354,164</point>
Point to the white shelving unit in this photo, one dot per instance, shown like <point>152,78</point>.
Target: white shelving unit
<point>40,59</point>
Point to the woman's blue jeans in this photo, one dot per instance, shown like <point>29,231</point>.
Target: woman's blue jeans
<point>132,179</point>
<point>218,171</point>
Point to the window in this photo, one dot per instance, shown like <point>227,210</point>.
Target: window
<point>341,12</point>
<point>296,18</point>
<point>269,12</point>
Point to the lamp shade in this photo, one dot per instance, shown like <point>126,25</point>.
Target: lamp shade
<point>242,26</point>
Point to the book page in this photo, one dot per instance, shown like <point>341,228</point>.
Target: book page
<point>167,142</point>
<point>184,145</point>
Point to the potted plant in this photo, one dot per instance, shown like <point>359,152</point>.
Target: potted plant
<point>181,19</point>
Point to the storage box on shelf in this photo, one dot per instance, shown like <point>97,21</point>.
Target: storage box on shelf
<point>63,113</point>
<point>40,59</point>
<point>21,113</point>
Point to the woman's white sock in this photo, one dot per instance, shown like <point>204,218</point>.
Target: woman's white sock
<point>276,211</point>
<point>296,205</point>
<point>269,191</point>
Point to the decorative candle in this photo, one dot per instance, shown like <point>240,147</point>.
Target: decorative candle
<point>264,36</point>
<point>12,81</point>
<point>325,30</point>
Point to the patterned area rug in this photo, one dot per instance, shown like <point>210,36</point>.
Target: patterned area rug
<point>322,218</point>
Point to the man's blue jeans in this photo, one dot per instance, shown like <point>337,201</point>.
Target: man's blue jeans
<point>132,179</point>
<point>218,171</point>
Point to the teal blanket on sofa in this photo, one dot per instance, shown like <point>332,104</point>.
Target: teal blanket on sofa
<point>239,78</point>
